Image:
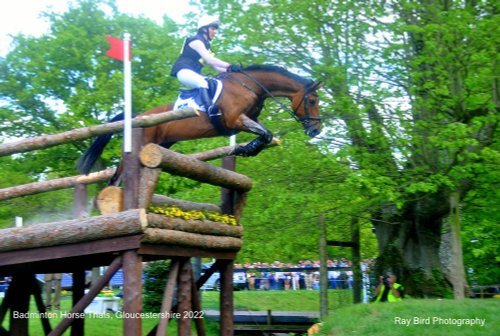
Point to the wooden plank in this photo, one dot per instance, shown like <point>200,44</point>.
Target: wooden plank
<point>271,328</point>
<point>77,250</point>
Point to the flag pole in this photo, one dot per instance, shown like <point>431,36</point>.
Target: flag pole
<point>127,87</point>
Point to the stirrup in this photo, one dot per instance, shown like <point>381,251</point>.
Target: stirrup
<point>210,111</point>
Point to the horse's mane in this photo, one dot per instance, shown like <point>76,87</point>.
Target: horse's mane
<point>278,69</point>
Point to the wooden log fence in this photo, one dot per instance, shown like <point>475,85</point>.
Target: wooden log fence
<point>153,228</point>
<point>131,235</point>
<point>46,141</point>
<point>104,175</point>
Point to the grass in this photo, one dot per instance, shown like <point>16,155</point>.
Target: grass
<point>280,300</point>
<point>111,325</point>
<point>426,317</point>
<point>345,319</point>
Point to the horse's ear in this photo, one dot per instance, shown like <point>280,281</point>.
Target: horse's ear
<point>318,85</point>
<point>315,86</point>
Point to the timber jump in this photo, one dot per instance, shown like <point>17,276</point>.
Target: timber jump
<point>124,235</point>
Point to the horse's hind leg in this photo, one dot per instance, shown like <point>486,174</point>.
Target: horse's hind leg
<point>116,179</point>
<point>257,145</point>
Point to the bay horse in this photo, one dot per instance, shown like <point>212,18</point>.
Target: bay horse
<point>240,103</point>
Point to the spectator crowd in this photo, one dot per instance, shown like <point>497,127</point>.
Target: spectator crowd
<point>277,275</point>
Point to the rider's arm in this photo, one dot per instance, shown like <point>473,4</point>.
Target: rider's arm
<point>211,60</point>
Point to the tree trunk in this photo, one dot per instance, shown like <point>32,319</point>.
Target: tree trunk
<point>409,245</point>
<point>457,275</point>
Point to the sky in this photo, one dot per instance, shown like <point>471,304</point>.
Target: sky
<point>23,16</point>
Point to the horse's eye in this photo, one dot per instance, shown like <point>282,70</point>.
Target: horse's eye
<point>312,101</point>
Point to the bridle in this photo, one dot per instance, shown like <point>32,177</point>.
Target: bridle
<point>305,120</point>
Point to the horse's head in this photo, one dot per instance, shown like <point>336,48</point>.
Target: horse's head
<point>305,105</point>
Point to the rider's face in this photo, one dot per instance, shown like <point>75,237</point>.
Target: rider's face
<point>211,32</point>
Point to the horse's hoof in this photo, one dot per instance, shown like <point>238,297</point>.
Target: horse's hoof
<point>240,151</point>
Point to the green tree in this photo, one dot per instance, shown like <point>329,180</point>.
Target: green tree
<point>63,80</point>
<point>412,99</point>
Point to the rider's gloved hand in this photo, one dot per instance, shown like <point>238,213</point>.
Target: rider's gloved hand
<point>234,68</point>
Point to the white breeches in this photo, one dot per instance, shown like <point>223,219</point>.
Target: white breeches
<point>192,79</point>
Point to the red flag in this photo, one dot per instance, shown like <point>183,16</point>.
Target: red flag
<point>116,50</point>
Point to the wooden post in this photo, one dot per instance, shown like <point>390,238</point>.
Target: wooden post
<point>356,259</point>
<point>79,210</point>
<point>132,261</point>
<point>132,171</point>
<point>457,261</point>
<point>354,245</point>
<point>37,294</point>
<point>227,195</point>
<point>184,298</point>
<point>132,293</point>
<point>200,328</point>
<point>226,298</point>
<point>19,303</point>
<point>168,296</point>
<point>323,271</point>
<point>79,200</point>
<point>78,325</point>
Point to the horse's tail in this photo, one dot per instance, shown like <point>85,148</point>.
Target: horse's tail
<point>89,158</point>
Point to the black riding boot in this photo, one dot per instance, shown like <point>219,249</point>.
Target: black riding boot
<point>206,100</point>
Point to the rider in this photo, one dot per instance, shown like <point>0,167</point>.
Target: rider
<point>195,52</point>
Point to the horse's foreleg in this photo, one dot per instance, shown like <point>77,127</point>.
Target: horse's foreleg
<point>257,145</point>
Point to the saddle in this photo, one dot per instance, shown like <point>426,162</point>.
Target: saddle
<point>192,98</point>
